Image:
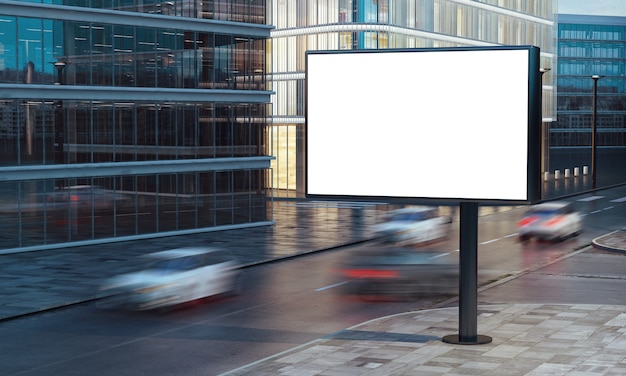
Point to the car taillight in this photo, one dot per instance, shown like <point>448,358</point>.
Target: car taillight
<point>554,221</point>
<point>74,198</point>
<point>371,273</point>
<point>526,221</point>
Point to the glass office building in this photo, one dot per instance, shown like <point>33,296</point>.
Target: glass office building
<point>591,45</point>
<point>303,25</point>
<point>128,119</point>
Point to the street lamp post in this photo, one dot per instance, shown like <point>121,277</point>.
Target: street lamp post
<point>595,79</point>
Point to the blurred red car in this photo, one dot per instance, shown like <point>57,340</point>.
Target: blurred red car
<point>78,198</point>
<point>83,198</point>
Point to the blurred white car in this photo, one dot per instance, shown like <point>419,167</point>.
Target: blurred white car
<point>553,221</point>
<point>413,225</point>
<point>173,277</point>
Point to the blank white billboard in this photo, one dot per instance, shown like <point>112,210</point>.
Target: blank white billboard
<point>444,124</point>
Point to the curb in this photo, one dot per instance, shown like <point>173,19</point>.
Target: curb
<point>612,242</point>
<point>50,308</point>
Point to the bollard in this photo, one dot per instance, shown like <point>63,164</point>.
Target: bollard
<point>546,176</point>
<point>576,171</point>
<point>567,172</point>
<point>557,174</point>
<point>585,170</point>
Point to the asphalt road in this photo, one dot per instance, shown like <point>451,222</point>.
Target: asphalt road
<point>290,303</point>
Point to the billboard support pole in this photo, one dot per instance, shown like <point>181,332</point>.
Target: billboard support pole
<point>468,280</point>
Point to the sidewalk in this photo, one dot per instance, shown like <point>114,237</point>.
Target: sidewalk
<point>528,339</point>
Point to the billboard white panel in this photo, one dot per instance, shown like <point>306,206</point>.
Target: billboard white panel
<point>445,124</point>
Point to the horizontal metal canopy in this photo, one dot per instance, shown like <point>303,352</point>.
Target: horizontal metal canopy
<point>129,94</point>
<point>86,170</point>
<point>117,17</point>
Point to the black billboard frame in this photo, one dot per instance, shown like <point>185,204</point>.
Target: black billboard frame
<point>468,265</point>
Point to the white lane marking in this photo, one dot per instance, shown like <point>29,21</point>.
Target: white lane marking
<point>595,211</point>
<point>439,255</point>
<point>512,235</point>
<point>621,199</point>
<point>331,286</point>
<point>608,208</point>
<point>489,241</point>
<point>591,198</point>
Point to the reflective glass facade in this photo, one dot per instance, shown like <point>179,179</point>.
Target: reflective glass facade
<point>114,127</point>
<point>303,25</point>
<point>591,45</point>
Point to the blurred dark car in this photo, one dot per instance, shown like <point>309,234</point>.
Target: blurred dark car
<point>552,221</point>
<point>82,198</point>
<point>401,273</point>
<point>171,278</point>
<point>78,198</point>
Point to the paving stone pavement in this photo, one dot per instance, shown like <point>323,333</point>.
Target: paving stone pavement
<point>527,339</point>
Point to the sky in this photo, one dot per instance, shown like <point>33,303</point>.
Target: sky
<point>593,7</point>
